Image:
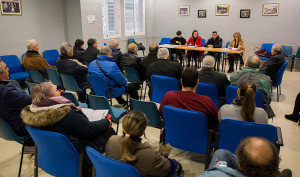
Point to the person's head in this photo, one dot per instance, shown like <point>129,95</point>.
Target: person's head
<point>66,49</point>
<point>92,43</point>
<point>246,94</point>
<point>4,74</point>
<point>257,157</point>
<point>134,126</point>
<point>195,34</point>
<point>132,47</point>
<point>189,79</point>
<point>208,62</point>
<point>153,48</point>
<point>253,62</point>
<point>178,33</point>
<point>113,44</point>
<point>276,49</point>
<point>163,53</point>
<point>43,91</point>
<point>32,45</point>
<point>106,51</point>
<point>214,35</point>
<point>79,43</point>
<point>237,36</point>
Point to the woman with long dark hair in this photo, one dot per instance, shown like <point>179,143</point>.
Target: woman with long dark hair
<point>194,40</point>
<point>78,50</point>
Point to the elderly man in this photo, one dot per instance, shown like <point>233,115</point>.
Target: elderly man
<point>271,66</point>
<point>207,74</point>
<point>251,73</point>
<point>215,42</point>
<point>33,60</point>
<point>151,57</point>
<point>91,52</point>
<point>116,52</point>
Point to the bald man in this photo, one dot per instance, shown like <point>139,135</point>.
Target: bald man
<point>151,57</point>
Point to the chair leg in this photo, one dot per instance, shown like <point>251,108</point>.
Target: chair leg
<point>21,160</point>
<point>117,127</point>
<point>208,150</point>
<point>292,65</point>
<point>142,88</point>
<point>36,168</point>
<point>280,89</point>
<point>145,90</point>
<point>277,94</point>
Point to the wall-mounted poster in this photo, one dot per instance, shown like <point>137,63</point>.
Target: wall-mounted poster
<point>222,9</point>
<point>11,7</point>
<point>184,10</point>
<point>245,13</point>
<point>201,13</point>
<point>270,9</point>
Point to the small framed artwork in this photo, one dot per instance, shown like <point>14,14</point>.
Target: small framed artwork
<point>222,9</point>
<point>11,7</point>
<point>184,10</point>
<point>245,13</point>
<point>270,9</point>
<point>201,13</point>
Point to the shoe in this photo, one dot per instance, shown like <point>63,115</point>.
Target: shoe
<point>291,117</point>
<point>286,173</point>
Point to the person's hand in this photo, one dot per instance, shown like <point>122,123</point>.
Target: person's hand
<point>239,48</point>
<point>211,46</point>
<point>78,107</point>
<point>178,42</point>
<point>185,45</point>
<point>230,48</point>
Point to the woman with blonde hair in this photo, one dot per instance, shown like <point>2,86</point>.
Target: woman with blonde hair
<point>237,43</point>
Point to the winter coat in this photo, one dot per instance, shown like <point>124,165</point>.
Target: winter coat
<point>79,54</point>
<point>272,66</point>
<point>198,42</point>
<point>117,55</point>
<point>131,59</point>
<point>148,60</point>
<point>216,43</point>
<point>90,54</point>
<point>165,67</point>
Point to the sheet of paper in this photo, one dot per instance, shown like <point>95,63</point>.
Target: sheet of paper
<point>94,115</point>
<point>91,19</point>
<point>235,49</point>
<point>191,46</point>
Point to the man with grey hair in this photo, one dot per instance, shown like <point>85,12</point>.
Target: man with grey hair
<point>270,67</point>
<point>251,73</point>
<point>208,75</point>
<point>33,60</point>
<point>116,51</point>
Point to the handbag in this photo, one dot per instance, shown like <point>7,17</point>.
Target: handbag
<point>262,53</point>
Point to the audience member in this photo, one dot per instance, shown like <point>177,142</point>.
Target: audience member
<point>188,99</point>
<point>116,51</point>
<point>33,60</point>
<point>52,112</point>
<point>244,107</point>
<point>91,52</point>
<point>207,74</point>
<point>194,40</point>
<point>130,149</point>
<point>179,40</point>
<point>295,115</point>
<point>151,57</point>
<point>270,67</point>
<point>78,50</point>
<point>237,43</point>
<point>215,42</point>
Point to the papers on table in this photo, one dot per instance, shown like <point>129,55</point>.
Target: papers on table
<point>191,46</point>
<point>168,46</point>
<point>94,115</point>
<point>235,49</point>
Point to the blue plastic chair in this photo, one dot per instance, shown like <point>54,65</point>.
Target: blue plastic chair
<point>231,93</point>
<point>53,76</point>
<point>268,47</point>
<point>56,155</point>
<point>73,98</point>
<point>233,131</point>
<point>35,76</point>
<point>165,41</point>
<point>225,54</point>
<point>187,130</point>
<point>108,167</point>
<point>15,67</point>
<point>100,102</point>
<point>29,86</point>
<point>132,76</point>
<point>210,90</point>
<point>132,40</point>
<point>105,44</point>
<point>161,85</point>
<point>277,82</point>
<point>69,83</point>
<point>203,41</point>
<point>51,56</point>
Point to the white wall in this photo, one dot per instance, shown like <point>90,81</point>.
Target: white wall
<point>73,20</point>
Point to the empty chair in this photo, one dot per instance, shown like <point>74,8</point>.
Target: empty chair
<point>203,41</point>
<point>279,75</point>
<point>297,56</point>
<point>210,90</point>
<point>132,40</point>
<point>132,76</point>
<point>36,76</point>
<point>73,98</point>
<point>51,56</point>
<point>165,41</point>
<point>225,56</point>
<point>69,83</point>
<point>15,67</point>
<point>161,85</point>
<point>53,76</point>
<point>268,47</point>
<point>29,86</point>
<point>14,83</point>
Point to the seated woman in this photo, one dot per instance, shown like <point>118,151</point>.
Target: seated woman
<point>78,50</point>
<point>244,107</point>
<point>52,112</point>
<point>238,43</point>
<point>130,149</point>
<point>194,40</point>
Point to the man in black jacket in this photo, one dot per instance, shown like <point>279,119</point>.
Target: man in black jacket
<point>151,57</point>
<point>91,52</point>
<point>215,42</point>
<point>179,40</point>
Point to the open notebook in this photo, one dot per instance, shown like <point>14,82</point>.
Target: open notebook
<point>94,115</point>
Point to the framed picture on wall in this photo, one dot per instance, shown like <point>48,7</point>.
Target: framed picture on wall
<point>184,10</point>
<point>245,13</point>
<point>11,7</point>
<point>270,9</point>
<point>222,9</point>
<point>201,13</point>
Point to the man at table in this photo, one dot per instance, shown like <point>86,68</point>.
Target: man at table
<point>179,40</point>
<point>215,42</point>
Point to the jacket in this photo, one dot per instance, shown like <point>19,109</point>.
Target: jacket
<point>222,172</point>
<point>216,43</point>
<point>148,60</point>
<point>241,45</point>
<point>33,60</point>
<point>79,54</point>
<point>90,54</point>
<point>149,162</point>
<point>271,66</point>
<point>69,65</point>
<point>198,42</point>
<point>117,55</point>
<point>165,67</point>
<point>131,59</point>
<point>117,82</point>
<point>262,82</point>
<point>180,39</point>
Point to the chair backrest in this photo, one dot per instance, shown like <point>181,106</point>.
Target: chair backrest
<point>70,83</point>
<point>105,44</point>
<point>161,85</point>
<point>231,93</point>
<point>29,86</point>
<point>210,90</point>
<point>131,40</point>
<point>14,83</point>
<point>298,52</point>
<point>107,167</point>
<point>227,44</point>
<point>53,76</point>
<point>13,63</point>
<point>99,85</point>
<point>287,50</point>
<point>71,97</point>
<point>280,73</point>
<point>165,41</point>
<point>7,133</point>
<point>233,131</point>
<point>185,129</point>
<point>23,55</point>
<point>131,74</point>
<point>51,56</point>
<point>203,41</point>
<point>56,155</point>
<point>149,108</point>
<point>267,46</point>
<point>35,76</point>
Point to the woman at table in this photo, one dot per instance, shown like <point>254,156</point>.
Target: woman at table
<point>238,43</point>
<point>195,40</point>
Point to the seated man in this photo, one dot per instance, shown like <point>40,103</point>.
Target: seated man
<point>91,52</point>
<point>254,157</point>
<point>188,99</point>
<point>179,40</point>
<point>105,68</point>
<point>151,57</point>
<point>207,74</point>
<point>215,42</point>
<point>270,67</point>
<point>116,52</point>
<point>251,73</point>
<point>33,60</point>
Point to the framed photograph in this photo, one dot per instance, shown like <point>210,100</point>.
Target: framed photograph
<point>270,9</point>
<point>11,7</point>
<point>222,9</point>
<point>245,13</point>
<point>201,13</point>
<point>184,10</point>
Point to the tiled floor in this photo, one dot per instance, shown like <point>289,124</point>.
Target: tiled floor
<point>193,164</point>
